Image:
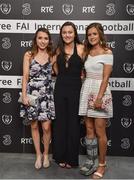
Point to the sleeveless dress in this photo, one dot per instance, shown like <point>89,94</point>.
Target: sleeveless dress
<point>94,72</point>
<point>40,85</point>
<point>66,127</point>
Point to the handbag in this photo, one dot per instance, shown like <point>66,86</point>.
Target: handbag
<point>106,101</point>
<point>32,99</point>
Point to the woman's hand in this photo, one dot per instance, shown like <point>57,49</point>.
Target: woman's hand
<point>25,100</point>
<point>98,104</point>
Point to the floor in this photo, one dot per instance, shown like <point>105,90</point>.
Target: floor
<point>21,166</point>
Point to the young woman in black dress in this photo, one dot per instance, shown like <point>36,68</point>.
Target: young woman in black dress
<point>69,64</point>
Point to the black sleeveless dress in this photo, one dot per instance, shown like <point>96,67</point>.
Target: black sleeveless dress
<point>66,128</point>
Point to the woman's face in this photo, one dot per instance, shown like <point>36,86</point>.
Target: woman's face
<point>68,34</point>
<point>93,36</point>
<point>42,40</point>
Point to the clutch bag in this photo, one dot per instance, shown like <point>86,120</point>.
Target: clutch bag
<point>32,99</point>
<point>106,101</point>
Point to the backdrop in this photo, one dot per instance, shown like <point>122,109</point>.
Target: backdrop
<point>19,19</point>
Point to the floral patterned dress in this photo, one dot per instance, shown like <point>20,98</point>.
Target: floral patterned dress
<point>40,84</point>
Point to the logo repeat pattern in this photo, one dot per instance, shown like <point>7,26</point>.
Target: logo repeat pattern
<point>68,10</point>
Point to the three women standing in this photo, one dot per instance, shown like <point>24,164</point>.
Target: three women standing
<point>95,99</point>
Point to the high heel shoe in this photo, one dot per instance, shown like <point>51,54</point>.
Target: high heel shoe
<point>38,163</point>
<point>46,162</point>
<point>97,174</point>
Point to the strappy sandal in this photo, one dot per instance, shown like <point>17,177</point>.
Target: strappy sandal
<point>98,175</point>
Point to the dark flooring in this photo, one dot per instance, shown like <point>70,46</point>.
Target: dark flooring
<point>21,166</point>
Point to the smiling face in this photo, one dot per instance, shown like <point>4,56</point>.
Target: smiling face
<point>93,36</point>
<point>42,40</point>
<point>68,34</point>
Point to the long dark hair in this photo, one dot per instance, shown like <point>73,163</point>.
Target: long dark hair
<point>60,46</point>
<point>34,49</point>
<point>100,30</point>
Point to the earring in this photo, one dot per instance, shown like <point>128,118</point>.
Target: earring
<point>100,42</point>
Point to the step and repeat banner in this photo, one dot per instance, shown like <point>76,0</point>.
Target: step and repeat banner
<point>18,22</point>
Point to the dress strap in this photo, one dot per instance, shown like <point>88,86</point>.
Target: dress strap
<point>75,49</point>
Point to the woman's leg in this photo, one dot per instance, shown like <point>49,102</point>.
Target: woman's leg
<point>90,142</point>
<point>46,127</point>
<point>36,140</point>
<point>90,129</point>
<point>100,126</point>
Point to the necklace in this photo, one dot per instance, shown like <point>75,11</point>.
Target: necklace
<point>67,58</point>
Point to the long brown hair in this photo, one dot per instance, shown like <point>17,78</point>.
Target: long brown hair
<point>100,30</point>
<point>60,46</point>
<point>34,49</point>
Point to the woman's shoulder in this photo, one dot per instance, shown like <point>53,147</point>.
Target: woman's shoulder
<point>80,50</point>
<point>80,46</point>
<point>108,57</point>
<point>28,54</point>
<point>108,51</point>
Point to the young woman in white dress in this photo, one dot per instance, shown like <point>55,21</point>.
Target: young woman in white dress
<point>96,99</point>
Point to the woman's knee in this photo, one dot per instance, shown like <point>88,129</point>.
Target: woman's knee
<point>89,127</point>
<point>100,128</point>
<point>34,125</point>
<point>46,128</point>
<point>101,133</point>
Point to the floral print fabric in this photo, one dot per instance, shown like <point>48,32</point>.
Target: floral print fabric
<point>40,84</point>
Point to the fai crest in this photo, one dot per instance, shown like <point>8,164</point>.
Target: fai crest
<point>128,68</point>
<point>7,119</point>
<point>6,65</point>
<point>126,122</point>
<point>5,8</point>
<point>67,9</point>
<point>130,9</point>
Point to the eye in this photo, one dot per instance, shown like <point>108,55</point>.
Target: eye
<point>70,32</point>
<point>46,38</point>
<point>39,37</point>
<point>95,34</point>
<point>63,32</point>
<point>89,34</point>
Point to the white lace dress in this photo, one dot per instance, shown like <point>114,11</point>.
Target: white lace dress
<point>90,88</point>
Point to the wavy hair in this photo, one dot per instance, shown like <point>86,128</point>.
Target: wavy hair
<point>34,49</point>
<point>61,43</point>
<point>100,30</point>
